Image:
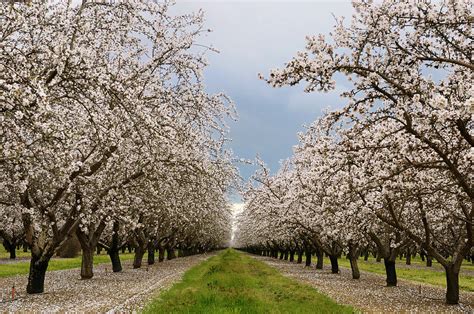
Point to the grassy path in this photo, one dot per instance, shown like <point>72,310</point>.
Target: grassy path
<point>232,282</point>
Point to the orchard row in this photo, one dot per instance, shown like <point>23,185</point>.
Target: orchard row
<point>107,134</point>
<point>391,171</point>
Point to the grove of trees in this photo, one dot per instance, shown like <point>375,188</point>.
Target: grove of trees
<point>107,133</point>
<point>392,171</point>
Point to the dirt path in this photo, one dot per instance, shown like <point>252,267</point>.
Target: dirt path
<point>113,292</point>
<point>370,294</point>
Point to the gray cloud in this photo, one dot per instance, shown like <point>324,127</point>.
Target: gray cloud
<point>254,37</point>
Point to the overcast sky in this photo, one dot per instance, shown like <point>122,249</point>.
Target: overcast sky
<point>254,37</point>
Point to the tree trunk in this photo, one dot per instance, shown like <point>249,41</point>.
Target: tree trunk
<point>161,254</point>
<point>13,253</point>
<point>281,254</point>
<point>353,256</point>
<point>334,264</point>
<point>87,265</point>
<point>354,267</point>
<point>286,256</point>
<point>137,259</point>
<point>114,249</point>
<point>292,256</point>
<point>10,248</point>
<point>429,261</point>
<point>390,272</point>
<point>408,257</point>
<point>151,253</point>
<point>452,284</point>
<point>171,254</point>
<point>115,259</point>
<point>319,259</point>
<point>308,258</point>
<point>300,257</point>
<point>378,259</point>
<point>37,275</point>
<point>366,256</point>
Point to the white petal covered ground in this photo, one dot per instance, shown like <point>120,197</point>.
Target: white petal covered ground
<point>116,292</point>
<point>370,294</point>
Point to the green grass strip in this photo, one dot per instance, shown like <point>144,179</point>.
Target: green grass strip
<point>233,282</point>
<point>422,274</point>
<point>23,267</point>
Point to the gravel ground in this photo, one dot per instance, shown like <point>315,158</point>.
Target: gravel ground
<point>127,291</point>
<point>370,294</point>
<point>13,261</point>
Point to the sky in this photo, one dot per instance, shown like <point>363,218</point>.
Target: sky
<point>254,37</point>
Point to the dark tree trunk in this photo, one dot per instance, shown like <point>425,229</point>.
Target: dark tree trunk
<point>292,256</point>
<point>334,264</point>
<point>161,254</point>
<point>114,249</point>
<point>408,257</point>
<point>300,257</point>
<point>137,259</point>
<point>308,258</point>
<point>115,259</point>
<point>11,248</point>
<point>282,254</point>
<point>171,254</point>
<point>366,256</point>
<point>151,253</point>
<point>37,275</point>
<point>319,259</point>
<point>429,261</point>
<point>452,285</point>
<point>378,259</point>
<point>87,265</point>
<point>390,272</point>
<point>286,256</point>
